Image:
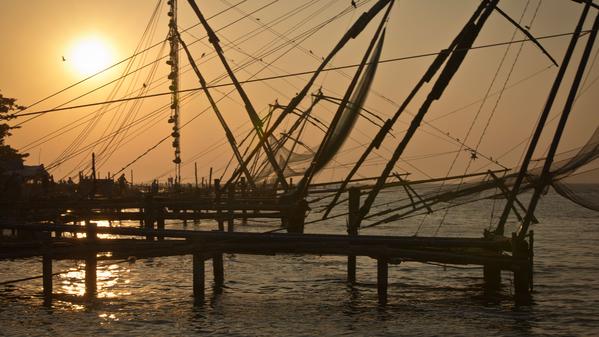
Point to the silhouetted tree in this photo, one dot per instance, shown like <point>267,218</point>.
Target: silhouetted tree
<point>9,157</point>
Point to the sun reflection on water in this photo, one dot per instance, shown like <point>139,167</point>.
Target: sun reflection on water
<point>109,277</point>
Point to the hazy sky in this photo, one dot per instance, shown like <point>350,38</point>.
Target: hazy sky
<point>37,34</point>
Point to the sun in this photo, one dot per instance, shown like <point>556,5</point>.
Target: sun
<point>89,56</point>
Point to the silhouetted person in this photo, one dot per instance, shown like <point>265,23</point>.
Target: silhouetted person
<point>122,184</point>
<point>154,189</point>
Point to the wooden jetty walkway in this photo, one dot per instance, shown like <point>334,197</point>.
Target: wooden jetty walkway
<point>47,238</point>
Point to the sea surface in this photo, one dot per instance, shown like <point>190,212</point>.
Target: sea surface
<point>294,295</point>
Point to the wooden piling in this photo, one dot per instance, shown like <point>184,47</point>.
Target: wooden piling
<point>492,277</point>
<point>149,217</point>
<point>217,258</point>
<point>231,210</point>
<point>195,165</point>
<point>382,272</point>
<point>47,278</point>
<point>198,278</point>
<point>531,242</point>
<point>218,272</point>
<point>91,262</point>
<point>522,274</point>
<point>294,218</point>
<point>160,223</point>
<point>352,230</point>
<point>217,203</point>
<point>243,186</point>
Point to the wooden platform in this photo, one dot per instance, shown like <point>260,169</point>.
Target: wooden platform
<point>493,254</point>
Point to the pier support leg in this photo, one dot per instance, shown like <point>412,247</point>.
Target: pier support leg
<point>382,273</point>
<point>522,278</point>
<point>47,279</point>
<point>217,196</point>
<point>196,217</point>
<point>149,221</point>
<point>351,269</point>
<point>244,219</point>
<point>160,223</point>
<point>352,230</point>
<point>296,218</point>
<point>219,272</point>
<point>91,265</point>
<point>91,262</point>
<point>492,276</point>
<point>231,210</point>
<point>198,278</point>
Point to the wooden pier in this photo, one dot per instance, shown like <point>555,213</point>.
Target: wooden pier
<point>41,232</point>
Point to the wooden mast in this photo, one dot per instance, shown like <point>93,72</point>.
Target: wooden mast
<point>173,61</point>
<point>352,33</point>
<point>256,121</point>
<point>545,178</point>
<point>378,139</point>
<point>541,124</point>
<point>465,41</point>
<point>219,115</point>
<point>303,184</point>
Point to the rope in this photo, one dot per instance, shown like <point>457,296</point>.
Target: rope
<point>269,78</point>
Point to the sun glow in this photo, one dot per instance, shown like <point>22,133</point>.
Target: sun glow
<point>89,55</point>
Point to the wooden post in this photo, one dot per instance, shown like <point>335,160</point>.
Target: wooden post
<point>149,218</point>
<point>522,273</point>
<point>231,210</point>
<point>195,165</point>
<point>352,230</point>
<point>381,279</point>
<point>217,258</point>
<point>93,191</point>
<point>295,217</point>
<point>217,204</point>
<point>198,278</point>
<point>492,277</point>
<point>47,281</point>
<point>244,219</point>
<point>210,179</point>
<point>160,222</point>
<point>218,272</point>
<point>531,242</point>
<point>184,212</point>
<point>47,274</point>
<point>91,262</point>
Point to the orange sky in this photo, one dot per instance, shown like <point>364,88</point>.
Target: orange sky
<point>36,34</point>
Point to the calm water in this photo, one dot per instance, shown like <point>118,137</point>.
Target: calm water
<point>308,296</point>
